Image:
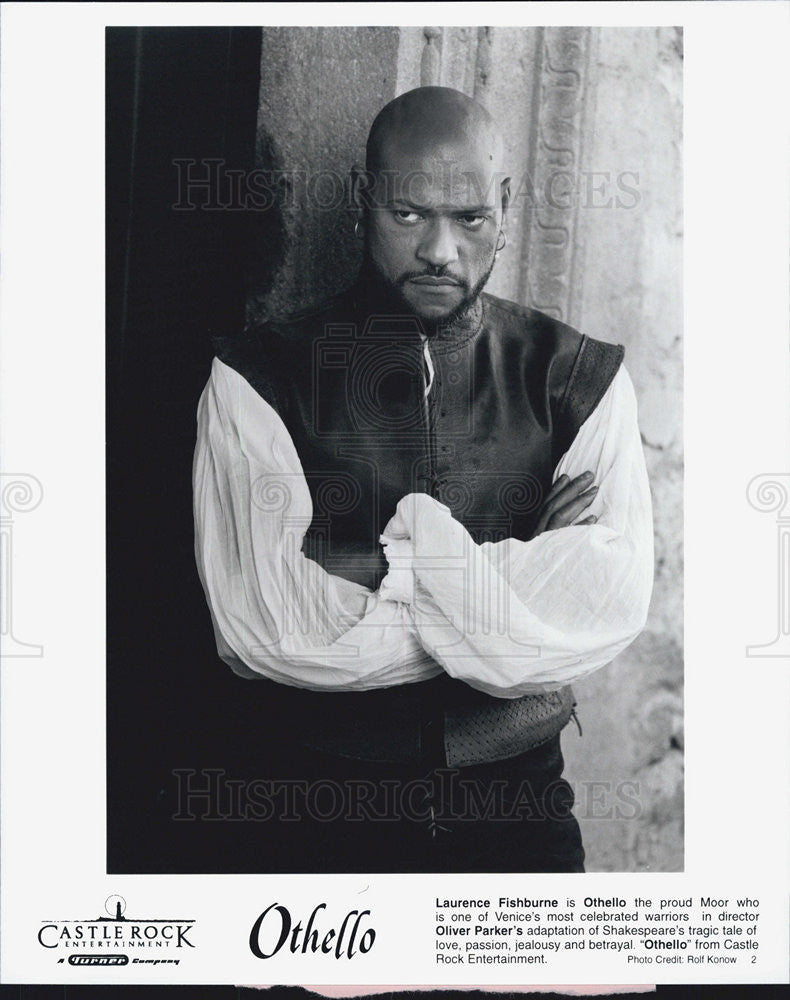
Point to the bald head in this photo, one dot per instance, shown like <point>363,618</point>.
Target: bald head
<point>433,122</point>
<point>432,202</point>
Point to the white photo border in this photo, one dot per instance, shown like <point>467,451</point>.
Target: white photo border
<point>737,396</point>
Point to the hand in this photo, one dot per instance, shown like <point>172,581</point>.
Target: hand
<point>566,499</point>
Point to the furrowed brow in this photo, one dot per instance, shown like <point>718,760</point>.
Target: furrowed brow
<point>473,210</point>
<point>410,205</point>
<point>452,209</point>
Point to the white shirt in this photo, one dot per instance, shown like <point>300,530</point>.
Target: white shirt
<point>508,618</point>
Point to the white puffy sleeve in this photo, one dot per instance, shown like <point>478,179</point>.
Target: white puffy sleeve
<point>277,614</point>
<point>513,617</point>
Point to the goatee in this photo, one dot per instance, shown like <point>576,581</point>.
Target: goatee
<point>390,295</point>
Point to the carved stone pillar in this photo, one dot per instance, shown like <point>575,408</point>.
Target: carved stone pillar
<point>550,247</point>
<point>534,81</point>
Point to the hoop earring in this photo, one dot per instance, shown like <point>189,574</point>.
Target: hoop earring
<point>356,229</point>
<point>501,246</point>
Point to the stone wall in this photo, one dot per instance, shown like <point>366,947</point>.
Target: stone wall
<point>593,122</point>
<point>630,290</point>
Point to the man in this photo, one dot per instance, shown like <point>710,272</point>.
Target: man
<point>421,513</point>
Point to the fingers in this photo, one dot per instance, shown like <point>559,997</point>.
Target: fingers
<point>571,489</point>
<point>563,492</point>
<point>569,512</point>
<point>548,508</point>
<point>557,486</point>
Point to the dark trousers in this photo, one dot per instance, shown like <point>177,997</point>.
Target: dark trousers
<point>327,813</point>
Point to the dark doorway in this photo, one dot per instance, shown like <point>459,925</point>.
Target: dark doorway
<point>175,278</point>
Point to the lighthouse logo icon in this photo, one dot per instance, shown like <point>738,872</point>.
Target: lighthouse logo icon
<point>115,907</point>
<point>115,929</point>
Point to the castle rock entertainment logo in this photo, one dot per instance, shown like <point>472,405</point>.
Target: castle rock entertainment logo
<point>102,941</point>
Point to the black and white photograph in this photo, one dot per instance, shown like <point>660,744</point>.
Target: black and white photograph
<point>394,504</point>
<point>394,449</point>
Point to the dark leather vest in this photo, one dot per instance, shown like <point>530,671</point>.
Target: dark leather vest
<point>510,389</point>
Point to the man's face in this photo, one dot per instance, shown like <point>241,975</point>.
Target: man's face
<point>432,226</point>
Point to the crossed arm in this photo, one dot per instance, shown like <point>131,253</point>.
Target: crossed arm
<point>509,618</point>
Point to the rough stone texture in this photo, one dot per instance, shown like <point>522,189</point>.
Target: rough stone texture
<point>630,291</point>
<point>320,90</point>
<point>593,131</point>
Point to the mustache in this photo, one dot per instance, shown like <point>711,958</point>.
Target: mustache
<point>434,272</point>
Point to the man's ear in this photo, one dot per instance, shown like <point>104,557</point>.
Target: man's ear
<point>504,193</point>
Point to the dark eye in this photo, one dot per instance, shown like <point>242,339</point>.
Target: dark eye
<point>472,221</point>
<point>407,217</point>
